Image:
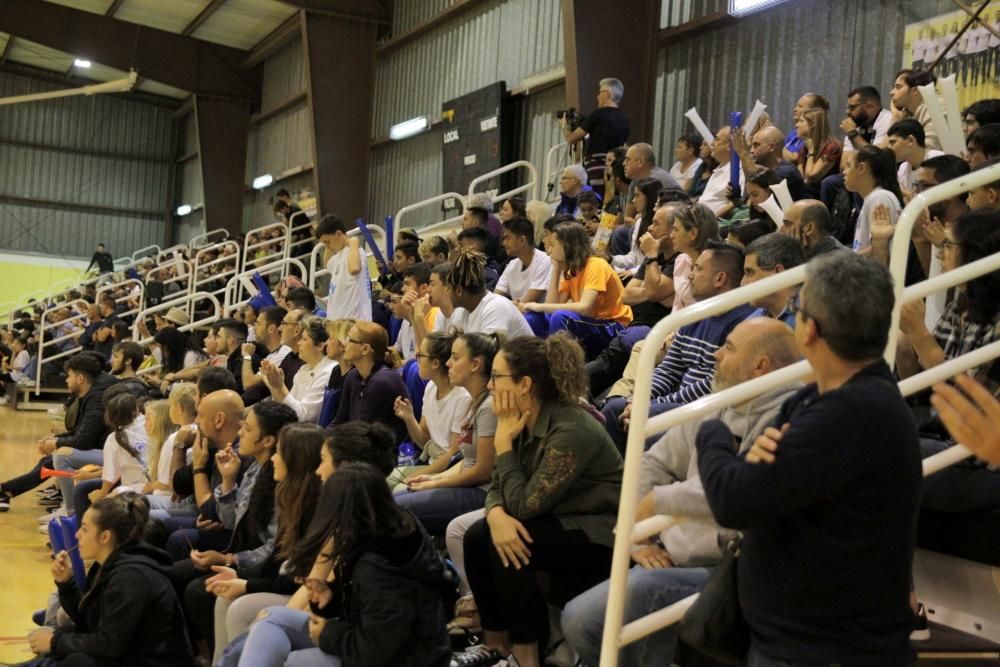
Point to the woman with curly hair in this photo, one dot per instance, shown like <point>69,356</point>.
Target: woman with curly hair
<point>552,503</point>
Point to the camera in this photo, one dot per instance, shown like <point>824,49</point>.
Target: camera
<point>572,116</point>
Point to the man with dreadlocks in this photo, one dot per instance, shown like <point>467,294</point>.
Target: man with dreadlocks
<point>488,312</point>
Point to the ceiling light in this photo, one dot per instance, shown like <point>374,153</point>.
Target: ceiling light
<point>409,128</point>
<point>744,7</point>
<point>183,209</point>
<point>262,182</point>
<point>81,63</point>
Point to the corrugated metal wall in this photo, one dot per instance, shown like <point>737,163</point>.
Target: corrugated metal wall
<point>504,40</point>
<point>777,55</point>
<point>281,142</point>
<point>100,151</point>
<point>541,130</point>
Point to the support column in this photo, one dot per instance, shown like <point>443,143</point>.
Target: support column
<point>222,144</point>
<point>340,80</point>
<point>601,40</point>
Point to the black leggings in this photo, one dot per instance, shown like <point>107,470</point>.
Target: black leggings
<point>28,480</point>
<point>510,599</point>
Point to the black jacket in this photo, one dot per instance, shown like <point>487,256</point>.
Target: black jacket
<point>89,430</point>
<point>390,611</point>
<point>130,616</point>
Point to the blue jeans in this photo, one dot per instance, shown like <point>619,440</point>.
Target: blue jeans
<point>73,459</point>
<point>81,495</point>
<point>282,638</point>
<point>963,487</point>
<point>648,591</point>
<point>592,334</point>
<point>165,507</point>
<point>437,507</point>
<point>613,409</point>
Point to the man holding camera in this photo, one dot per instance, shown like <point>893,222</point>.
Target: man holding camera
<point>607,126</point>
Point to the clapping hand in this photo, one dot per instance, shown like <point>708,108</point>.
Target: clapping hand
<point>881,226</point>
<point>273,376</point>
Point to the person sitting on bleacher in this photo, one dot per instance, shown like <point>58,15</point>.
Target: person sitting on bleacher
<point>685,374</point>
<point>83,439</point>
<point>487,312</point>
<point>676,566</point>
<point>232,335</point>
<point>827,498</point>
<point>309,385</point>
<point>971,320</point>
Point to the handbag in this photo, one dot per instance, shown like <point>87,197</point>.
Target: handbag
<point>713,632</point>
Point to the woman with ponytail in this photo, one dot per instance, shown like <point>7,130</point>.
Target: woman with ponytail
<point>239,598</point>
<point>125,463</point>
<point>553,500</point>
<point>438,497</point>
<point>128,613</point>
<point>871,173</point>
<point>372,386</point>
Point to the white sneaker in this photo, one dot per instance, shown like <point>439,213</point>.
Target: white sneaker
<point>56,513</point>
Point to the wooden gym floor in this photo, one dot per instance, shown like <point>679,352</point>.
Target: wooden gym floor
<point>25,580</point>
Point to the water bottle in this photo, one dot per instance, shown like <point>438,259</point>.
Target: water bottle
<point>407,455</point>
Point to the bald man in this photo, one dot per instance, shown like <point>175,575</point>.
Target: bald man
<point>809,222</point>
<point>669,484</point>
<point>765,151</point>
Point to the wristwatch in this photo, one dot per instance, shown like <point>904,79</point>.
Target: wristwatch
<point>247,357</point>
<point>853,134</point>
<point>649,260</point>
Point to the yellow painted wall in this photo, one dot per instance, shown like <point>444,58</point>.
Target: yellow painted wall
<point>21,274</point>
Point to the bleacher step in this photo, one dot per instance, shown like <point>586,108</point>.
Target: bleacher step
<point>948,646</point>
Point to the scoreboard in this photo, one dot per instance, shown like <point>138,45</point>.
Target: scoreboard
<point>477,131</point>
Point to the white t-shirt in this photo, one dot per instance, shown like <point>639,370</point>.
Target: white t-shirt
<point>680,174</point>
<point>446,416</point>
<point>877,197</point>
<point>457,320</point>
<point>278,355</point>
<point>516,280</point>
<point>406,341</point>
<point>166,455</point>
<point>350,294</point>
<point>309,388</point>
<point>714,195</point>
<point>120,465</point>
<point>881,126</point>
<point>495,313</point>
<point>905,171</point>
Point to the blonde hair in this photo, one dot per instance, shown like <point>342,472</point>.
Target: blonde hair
<point>538,212</point>
<point>185,395</point>
<point>339,329</point>
<point>157,412</point>
<point>819,130</point>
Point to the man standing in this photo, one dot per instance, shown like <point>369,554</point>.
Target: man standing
<point>828,498</point>
<point>103,259</point>
<point>350,285</point>
<point>607,126</point>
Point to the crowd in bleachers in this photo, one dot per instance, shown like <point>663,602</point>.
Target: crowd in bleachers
<point>371,474</point>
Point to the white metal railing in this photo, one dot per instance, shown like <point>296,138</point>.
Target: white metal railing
<point>148,251</point>
<point>208,238</point>
<point>228,267</point>
<point>192,300</point>
<point>298,223</point>
<point>235,289</point>
<point>641,427</point>
<point>437,199</point>
<point>255,241</point>
<point>531,187</point>
<point>169,253</point>
<point>316,269</point>
<point>184,277</point>
<point>553,165</point>
<point>133,282</point>
<point>46,327</point>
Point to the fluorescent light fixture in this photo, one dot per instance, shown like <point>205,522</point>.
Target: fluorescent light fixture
<point>183,209</point>
<point>81,63</point>
<point>262,182</point>
<point>409,128</point>
<point>744,7</point>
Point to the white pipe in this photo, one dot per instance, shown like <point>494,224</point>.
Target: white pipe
<point>654,525</point>
<point>195,243</point>
<point>530,186</point>
<point>116,86</point>
<point>398,220</point>
<point>649,624</point>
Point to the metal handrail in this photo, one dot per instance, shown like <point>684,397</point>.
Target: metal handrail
<point>422,204</point>
<point>192,298</point>
<point>531,186</point>
<point>47,326</point>
<point>123,283</point>
<point>249,247</point>
<point>168,252</point>
<point>234,284</point>
<point>198,242</point>
<point>295,227</point>
<point>145,252</point>
<point>616,634</point>
<point>315,273</point>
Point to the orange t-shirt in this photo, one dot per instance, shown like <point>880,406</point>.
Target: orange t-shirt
<point>599,276</point>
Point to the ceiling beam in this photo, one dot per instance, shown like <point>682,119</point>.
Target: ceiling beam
<point>288,31</point>
<point>452,12</point>
<point>48,76</point>
<point>8,47</point>
<point>175,60</point>
<point>343,9</point>
<point>113,9</point>
<point>203,16</point>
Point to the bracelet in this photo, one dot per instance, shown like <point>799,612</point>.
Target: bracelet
<point>203,471</point>
<point>247,358</point>
<point>649,260</point>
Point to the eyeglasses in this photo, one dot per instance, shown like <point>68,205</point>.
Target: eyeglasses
<point>948,243</point>
<point>494,376</point>
<point>852,107</point>
<point>796,307</point>
<point>421,355</point>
